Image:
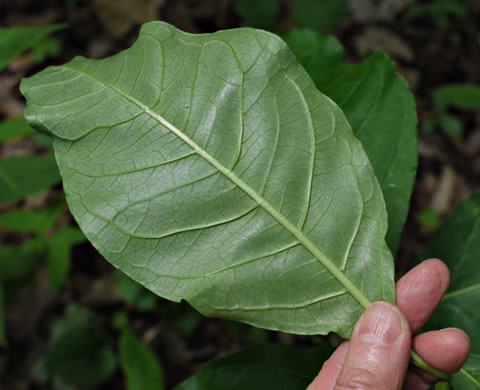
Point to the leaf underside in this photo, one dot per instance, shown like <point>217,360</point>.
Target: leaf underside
<point>379,106</point>
<point>209,168</point>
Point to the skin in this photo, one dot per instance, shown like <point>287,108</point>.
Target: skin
<point>377,357</point>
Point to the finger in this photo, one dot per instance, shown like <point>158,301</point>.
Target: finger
<point>420,291</point>
<point>432,346</point>
<point>379,350</point>
<point>327,377</point>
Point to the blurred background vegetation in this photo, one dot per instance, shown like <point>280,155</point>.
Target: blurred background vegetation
<point>68,320</point>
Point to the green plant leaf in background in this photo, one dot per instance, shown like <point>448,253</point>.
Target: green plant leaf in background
<point>16,40</point>
<point>457,243</point>
<point>26,175</point>
<point>134,293</point>
<point>83,356</point>
<point>142,369</point>
<point>469,376</point>
<point>260,14</point>
<point>25,221</point>
<point>279,367</point>
<point>440,11</point>
<point>3,335</point>
<point>462,96</point>
<point>429,218</point>
<point>17,267</point>
<point>14,128</point>
<point>319,15</point>
<point>450,124</point>
<point>381,110</point>
<point>209,168</point>
<point>46,48</point>
<point>18,263</point>
<point>59,254</point>
<point>80,352</point>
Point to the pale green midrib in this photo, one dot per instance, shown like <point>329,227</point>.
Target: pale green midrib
<point>302,238</point>
<point>470,377</point>
<point>461,291</point>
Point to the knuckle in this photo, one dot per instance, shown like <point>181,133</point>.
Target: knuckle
<point>359,378</point>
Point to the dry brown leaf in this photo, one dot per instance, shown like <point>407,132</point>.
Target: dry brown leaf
<point>444,193</point>
<point>119,16</point>
<point>373,10</point>
<point>384,40</point>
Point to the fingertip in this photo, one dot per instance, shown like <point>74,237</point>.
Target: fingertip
<point>421,290</point>
<point>440,269</point>
<point>446,350</point>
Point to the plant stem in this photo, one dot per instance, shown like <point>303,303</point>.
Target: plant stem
<point>419,362</point>
<point>442,386</point>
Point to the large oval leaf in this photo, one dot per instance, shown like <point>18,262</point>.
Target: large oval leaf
<point>380,107</point>
<point>209,168</point>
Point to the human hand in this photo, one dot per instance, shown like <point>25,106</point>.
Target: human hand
<point>377,357</point>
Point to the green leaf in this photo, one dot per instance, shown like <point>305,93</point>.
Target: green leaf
<point>450,124</point>
<point>75,316</point>
<point>457,243</point>
<point>141,367</point>
<point>20,262</point>
<point>3,336</point>
<point>440,11</point>
<point>26,175</point>
<point>30,221</point>
<point>209,168</point>
<point>80,352</point>
<point>14,128</point>
<point>189,321</point>
<point>59,254</point>
<point>134,292</point>
<point>469,376</point>
<point>43,140</point>
<point>429,218</point>
<point>257,335</point>
<point>261,14</point>
<point>429,125</point>
<point>15,40</point>
<point>83,355</point>
<point>381,110</point>
<point>279,367</point>
<point>45,49</point>
<point>320,15</point>
<point>462,96</point>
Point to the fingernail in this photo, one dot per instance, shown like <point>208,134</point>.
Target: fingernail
<point>380,324</point>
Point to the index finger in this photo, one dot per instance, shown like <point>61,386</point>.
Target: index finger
<point>420,291</point>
